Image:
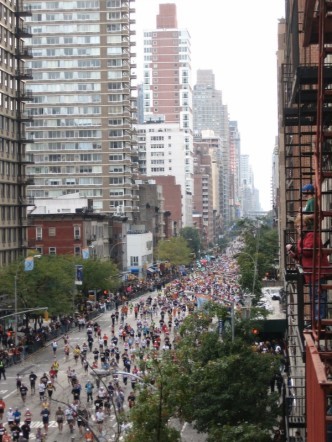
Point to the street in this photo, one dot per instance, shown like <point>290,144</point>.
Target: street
<point>41,361</point>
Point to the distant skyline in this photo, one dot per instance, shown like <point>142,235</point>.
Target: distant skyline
<point>238,40</point>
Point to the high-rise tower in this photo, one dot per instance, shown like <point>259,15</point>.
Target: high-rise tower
<point>13,159</point>
<point>83,108</point>
<point>167,84</point>
<point>210,114</point>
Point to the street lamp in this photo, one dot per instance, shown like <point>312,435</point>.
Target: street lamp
<point>113,247</point>
<point>254,261</point>
<point>28,267</point>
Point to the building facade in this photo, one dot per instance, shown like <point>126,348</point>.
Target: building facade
<point>162,152</point>
<point>83,107</point>
<point>78,234</point>
<point>14,96</point>
<point>167,84</point>
<point>211,116</point>
<point>203,195</point>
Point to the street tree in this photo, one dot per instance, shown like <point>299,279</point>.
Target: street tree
<point>193,239</point>
<point>226,382</point>
<point>51,283</point>
<point>219,385</point>
<point>174,250</point>
<point>150,416</point>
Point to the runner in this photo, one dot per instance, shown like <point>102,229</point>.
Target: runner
<point>28,416</point>
<point>60,417</point>
<point>69,413</point>
<point>45,414</point>
<point>23,391</point>
<point>18,382</point>
<point>2,408</point>
<point>32,379</point>
<point>41,391</point>
<point>50,388</point>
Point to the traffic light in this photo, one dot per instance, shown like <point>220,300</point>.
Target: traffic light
<point>255,331</point>
<point>105,292</point>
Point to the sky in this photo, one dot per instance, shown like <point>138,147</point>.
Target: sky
<point>238,40</point>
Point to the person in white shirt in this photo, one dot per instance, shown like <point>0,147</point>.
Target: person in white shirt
<point>41,390</point>
<point>10,417</point>
<point>100,416</point>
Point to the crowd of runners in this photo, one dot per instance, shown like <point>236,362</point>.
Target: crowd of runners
<point>102,370</point>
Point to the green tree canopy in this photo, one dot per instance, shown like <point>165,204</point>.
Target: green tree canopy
<point>193,239</point>
<point>220,386</point>
<point>174,250</point>
<point>51,283</point>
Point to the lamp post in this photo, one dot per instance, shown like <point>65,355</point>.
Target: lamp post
<point>113,247</point>
<point>15,309</point>
<point>254,261</point>
<point>27,268</point>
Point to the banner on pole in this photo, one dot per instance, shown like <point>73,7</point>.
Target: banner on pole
<point>28,264</point>
<point>78,274</point>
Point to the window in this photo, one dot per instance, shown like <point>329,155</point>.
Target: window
<point>77,232</point>
<point>52,250</point>
<point>51,231</point>
<point>77,251</point>
<point>39,250</point>
<point>39,233</point>
<point>134,260</point>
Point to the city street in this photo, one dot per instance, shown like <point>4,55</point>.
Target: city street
<point>41,361</point>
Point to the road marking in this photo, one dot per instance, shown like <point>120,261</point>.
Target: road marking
<point>9,394</point>
<point>39,424</point>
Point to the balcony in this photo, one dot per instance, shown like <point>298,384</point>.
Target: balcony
<point>23,32</point>
<point>26,200</point>
<point>27,158</point>
<point>24,117</point>
<point>25,95</point>
<point>26,138</point>
<point>23,74</point>
<point>25,52</point>
<point>23,10</point>
<point>27,180</point>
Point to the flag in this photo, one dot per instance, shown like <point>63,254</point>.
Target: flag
<point>86,253</point>
<point>78,274</point>
<point>28,264</point>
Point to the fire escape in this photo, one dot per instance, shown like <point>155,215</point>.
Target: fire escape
<point>307,123</point>
<point>23,95</point>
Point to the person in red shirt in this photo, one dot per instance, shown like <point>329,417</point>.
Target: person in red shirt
<point>303,252</point>
<point>2,407</point>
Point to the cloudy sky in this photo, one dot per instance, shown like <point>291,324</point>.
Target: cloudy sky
<point>237,39</point>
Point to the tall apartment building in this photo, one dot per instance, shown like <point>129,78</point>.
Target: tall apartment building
<point>246,186</point>
<point>203,195</point>
<point>234,168</point>
<point>161,148</point>
<point>13,138</point>
<point>210,114</point>
<point>167,90</point>
<point>83,106</point>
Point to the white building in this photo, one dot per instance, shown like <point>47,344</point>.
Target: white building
<point>139,251</point>
<point>162,151</point>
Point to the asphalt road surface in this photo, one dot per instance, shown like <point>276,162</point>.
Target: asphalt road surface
<point>41,361</point>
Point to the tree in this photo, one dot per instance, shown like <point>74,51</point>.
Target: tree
<point>51,283</point>
<point>151,414</point>
<point>227,383</point>
<point>258,256</point>
<point>193,239</point>
<point>174,250</point>
<point>220,386</point>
